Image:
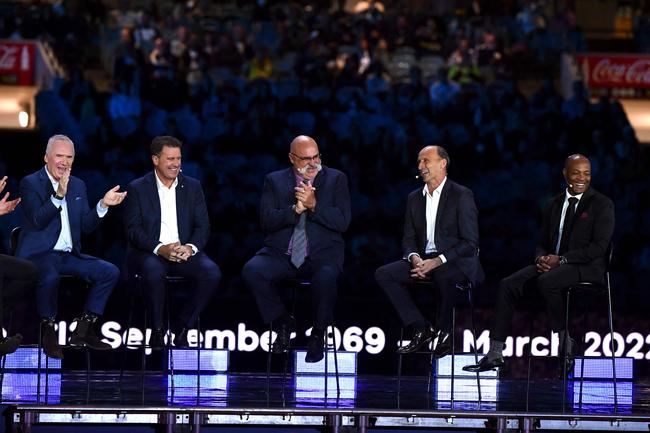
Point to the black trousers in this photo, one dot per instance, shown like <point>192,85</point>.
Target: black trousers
<point>394,279</point>
<point>202,273</point>
<point>549,284</point>
<point>18,279</point>
<point>263,271</point>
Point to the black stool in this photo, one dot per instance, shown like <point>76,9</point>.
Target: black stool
<point>295,285</point>
<point>464,286</point>
<point>603,288</point>
<point>169,281</point>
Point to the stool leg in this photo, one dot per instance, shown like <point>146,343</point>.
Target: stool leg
<point>125,348</point>
<point>471,312</point>
<point>336,363</point>
<point>144,355</point>
<point>38,368</point>
<point>430,373</point>
<point>453,354</point>
<point>530,357</point>
<point>87,375</point>
<point>327,370</point>
<point>582,363</point>
<point>399,361</point>
<point>198,359</point>
<point>268,363</point>
<point>564,348</point>
<point>169,352</point>
<point>611,339</point>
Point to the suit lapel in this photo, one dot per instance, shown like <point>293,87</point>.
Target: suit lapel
<point>181,199</point>
<point>154,200</point>
<point>47,185</point>
<point>583,203</point>
<point>291,183</point>
<point>556,214</point>
<point>442,205</point>
<point>319,180</point>
<point>420,214</point>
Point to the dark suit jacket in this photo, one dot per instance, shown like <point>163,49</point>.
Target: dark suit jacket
<point>324,226</point>
<point>41,219</point>
<point>590,235</point>
<point>142,213</point>
<point>456,234</point>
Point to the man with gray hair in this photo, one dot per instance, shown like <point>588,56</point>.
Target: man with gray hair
<point>55,211</point>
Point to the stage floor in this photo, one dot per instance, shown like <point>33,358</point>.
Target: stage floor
<point>363,401</point>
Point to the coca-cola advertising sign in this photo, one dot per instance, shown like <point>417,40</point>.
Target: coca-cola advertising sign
<point>616,71</point>
<point>17,63</point>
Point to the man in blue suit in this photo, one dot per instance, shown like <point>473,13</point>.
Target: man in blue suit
<point>305,210</point>
<point>167,227</point>
<point>440,243</point>
<point>55,211</point>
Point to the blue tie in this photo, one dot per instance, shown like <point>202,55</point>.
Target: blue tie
<point>299,245</point>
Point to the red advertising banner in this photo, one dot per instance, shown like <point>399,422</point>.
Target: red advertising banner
<point>602,70</point>
<point>17,61</point>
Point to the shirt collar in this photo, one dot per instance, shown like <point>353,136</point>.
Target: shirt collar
<point>299,179</point>
<point>162,185</point>
<point>567,196</point>
<point>425,190</point>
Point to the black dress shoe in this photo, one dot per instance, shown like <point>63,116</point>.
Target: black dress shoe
<point>283,340</point>
<point>10,344</point>
<point>84,335</point>
<point>157,339</point>
<point>486,364</point>
<point>443,346</point>
<point>420,338</point>
<point>180,338</point>
<point>49,340</point>
<point>315,346</point>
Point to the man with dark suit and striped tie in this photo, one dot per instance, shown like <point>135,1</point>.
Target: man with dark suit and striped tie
<point>576,230</point>
<point>305,209</point>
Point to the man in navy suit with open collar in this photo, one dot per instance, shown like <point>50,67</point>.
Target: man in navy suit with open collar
<point>440,243</point>
<point>305,209</point>
<point>55,212</point>
<point>577,227</point>
<point>167,228</point>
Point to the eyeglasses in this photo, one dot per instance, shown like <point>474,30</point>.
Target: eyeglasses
<point>307,158</point>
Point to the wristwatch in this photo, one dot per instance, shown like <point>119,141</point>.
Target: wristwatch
<point>563,260</point>
<point>58,197</point>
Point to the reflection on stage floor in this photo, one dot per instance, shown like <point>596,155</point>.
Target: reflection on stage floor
<point>356,392</point>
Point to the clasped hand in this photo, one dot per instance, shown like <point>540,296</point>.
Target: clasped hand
<point>420,268</point>
<point>176,252</point>
<point>305,198</point>
<point>546,263</point>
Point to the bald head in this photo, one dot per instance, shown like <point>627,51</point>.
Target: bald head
<point>577,173</point>
<point>300,142</point>
<point>576,157</point>
<point>305,157</point>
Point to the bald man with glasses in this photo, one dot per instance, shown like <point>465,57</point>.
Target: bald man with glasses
<point>304,211</point>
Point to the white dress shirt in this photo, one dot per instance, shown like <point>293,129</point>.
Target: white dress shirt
<point>168,215</point>
<point>564,208</point>
<point>432,202</point>
<point>64,242</point>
